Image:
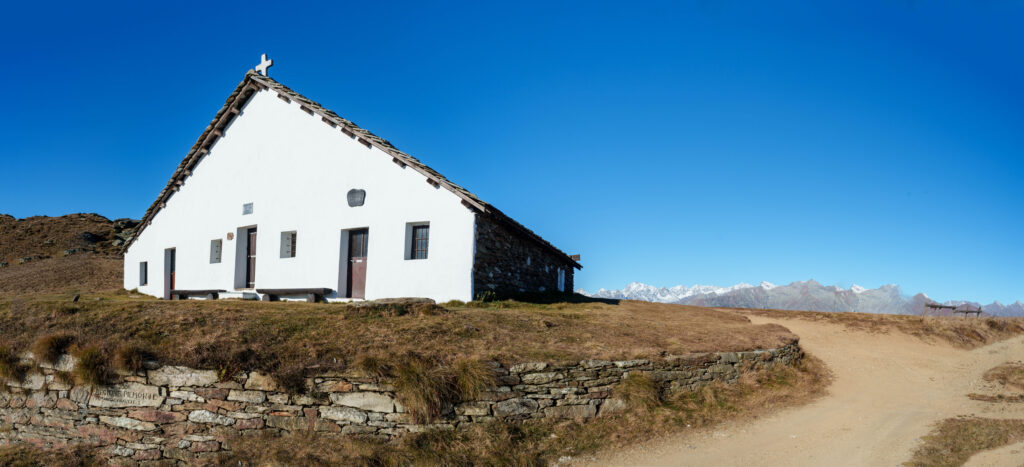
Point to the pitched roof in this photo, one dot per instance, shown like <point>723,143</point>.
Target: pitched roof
<point>253,82</point>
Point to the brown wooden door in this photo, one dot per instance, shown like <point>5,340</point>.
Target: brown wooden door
<point>250,263</point>
<point>171,267</point>
<point>357,242</point>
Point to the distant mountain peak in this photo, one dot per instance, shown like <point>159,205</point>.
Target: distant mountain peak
<point>800,295</point>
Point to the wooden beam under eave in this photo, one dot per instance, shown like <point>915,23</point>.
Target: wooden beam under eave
<point>283,97</point>
<point>328,121</point>
<point>366,142</point>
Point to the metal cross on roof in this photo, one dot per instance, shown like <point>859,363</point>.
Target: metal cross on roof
<point>264,64</point>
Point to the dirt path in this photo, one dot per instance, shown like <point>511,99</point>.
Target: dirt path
<point>888,391</point>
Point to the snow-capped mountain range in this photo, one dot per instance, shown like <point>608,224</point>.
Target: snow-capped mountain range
<point>805,295</point>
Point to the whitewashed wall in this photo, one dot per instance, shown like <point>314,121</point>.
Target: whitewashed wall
<point>297,170</point>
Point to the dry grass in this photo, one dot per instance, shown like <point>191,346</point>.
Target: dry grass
<point>428,388</point>
<point>541,442</point>
<point>24,455</point>
<point>955,440</point>
<point>962,332</point>
<point>996,397</point>
<point>131,357</point>
<point>94,265</point>
<point>422,387</point>
<point>638,391</point>
<point>50,347</point>
<point>1010,375</point>
<point>73,274</point>
<point>93,366</point>
<point>284,338</point>
<point>471,378</point>
<point>11,368</point>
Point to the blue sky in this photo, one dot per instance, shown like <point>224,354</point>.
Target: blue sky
<point>706,142</point>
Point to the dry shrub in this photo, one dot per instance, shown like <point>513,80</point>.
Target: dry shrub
<point>638,391</point>
<point>955,440</point>
<point>93,366</point>
<point>11,368</point>
<point>131,357</point>
<point>50,347</point>
<point>1008,374</point>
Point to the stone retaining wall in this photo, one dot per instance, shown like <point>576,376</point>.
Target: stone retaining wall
<point>170,414</point>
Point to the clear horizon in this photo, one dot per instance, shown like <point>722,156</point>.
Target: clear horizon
<point>667,143</point>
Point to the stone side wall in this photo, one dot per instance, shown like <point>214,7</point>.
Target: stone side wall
<point>509,264</point>
<point>171,414</point>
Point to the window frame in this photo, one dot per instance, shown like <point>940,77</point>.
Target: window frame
<point>143,273</point>
<point>289,243</point>
<point>414,247</point>
<point>219,245</point>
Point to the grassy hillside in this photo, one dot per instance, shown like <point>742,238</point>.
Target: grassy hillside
<point>76,252</point>
<point>283,337</point>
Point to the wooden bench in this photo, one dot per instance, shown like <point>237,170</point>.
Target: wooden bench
<point>313,295</point>
<point>208,294</point>
<point>969,311</point>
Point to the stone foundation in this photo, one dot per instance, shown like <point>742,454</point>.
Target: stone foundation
<point>176,414</point>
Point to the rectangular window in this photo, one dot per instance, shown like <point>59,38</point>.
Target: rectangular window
<point>143,273</point>
<point>246,208</point>
<point>288,244</point>
<point>215,248</point>
<point>561,280</point>
<point>420,241</point>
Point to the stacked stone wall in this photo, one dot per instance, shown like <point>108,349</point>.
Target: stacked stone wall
<point>176,415</point>
<point>508,264</point>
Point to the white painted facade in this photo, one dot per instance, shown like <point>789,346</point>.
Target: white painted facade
<point>296,172</point>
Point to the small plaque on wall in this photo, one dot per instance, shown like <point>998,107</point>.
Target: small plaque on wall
<point>356,197</point>
<point>231,236</point>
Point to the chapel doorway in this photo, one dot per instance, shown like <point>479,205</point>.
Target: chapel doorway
<point>250,258</point>
<point>169,267</point>
<point>357,243</point>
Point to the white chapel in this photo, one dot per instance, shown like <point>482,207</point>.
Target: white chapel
<point>281,198</point>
